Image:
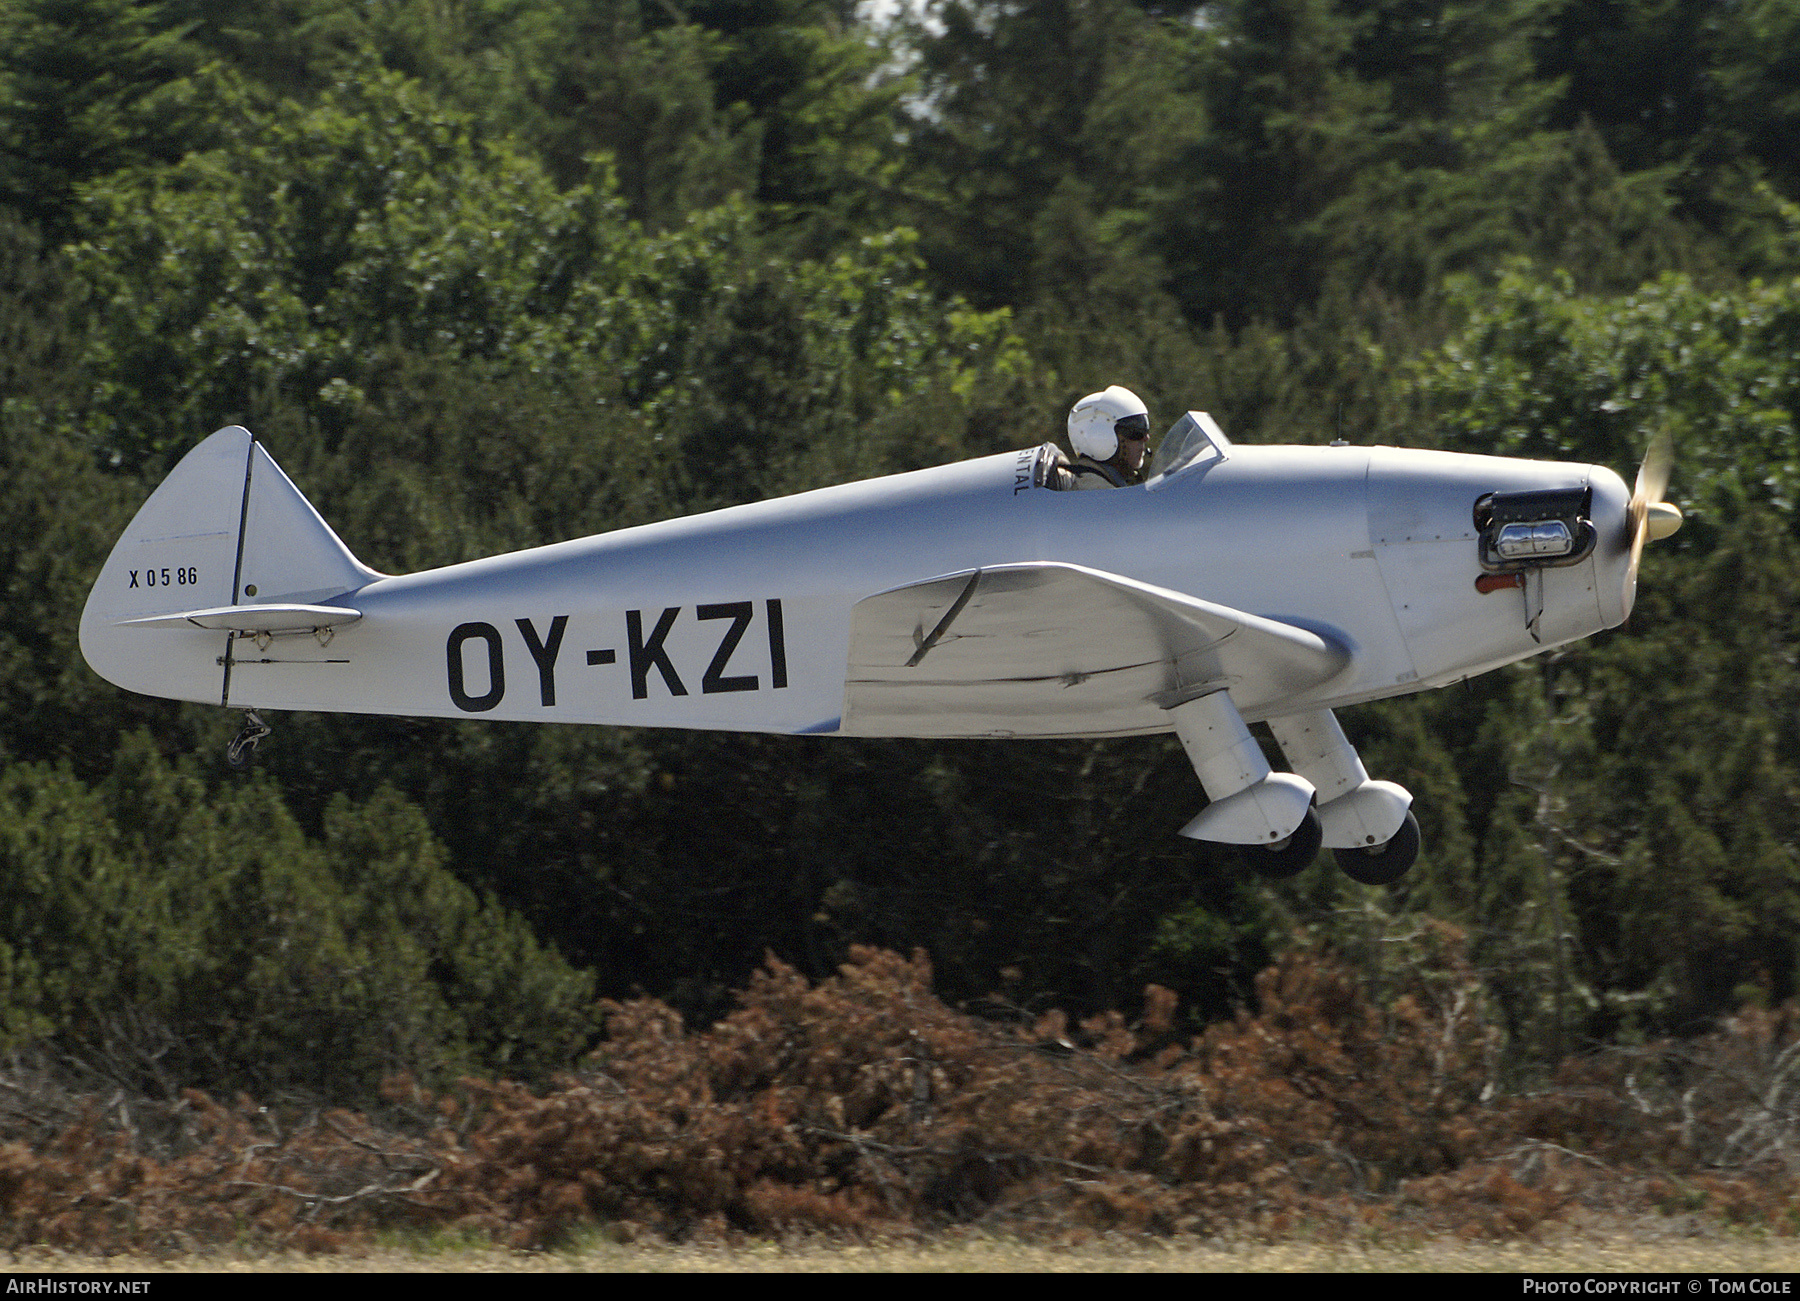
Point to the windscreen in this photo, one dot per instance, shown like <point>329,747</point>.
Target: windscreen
<point>1193,441</point>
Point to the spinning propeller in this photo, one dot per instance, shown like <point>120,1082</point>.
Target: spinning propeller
<point>1648,517</point>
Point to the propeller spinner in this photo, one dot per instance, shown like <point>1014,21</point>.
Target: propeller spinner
<point>1648,517</point>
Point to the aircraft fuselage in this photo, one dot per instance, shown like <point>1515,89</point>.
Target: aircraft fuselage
<point>741,618</point>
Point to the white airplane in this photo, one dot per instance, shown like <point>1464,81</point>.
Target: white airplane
<point>1236,584</point>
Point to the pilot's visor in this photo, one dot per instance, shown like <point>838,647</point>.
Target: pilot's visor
<point>1133,427</point>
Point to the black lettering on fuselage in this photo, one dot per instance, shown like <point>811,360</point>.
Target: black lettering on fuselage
<point>1023,470</point>
<point>644,655</point>
<point>777,647</point>
<point>453,652</point>
<point>739,612</point>
<point>544,654</point>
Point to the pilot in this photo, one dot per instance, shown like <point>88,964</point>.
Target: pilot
<point>1109,433</point>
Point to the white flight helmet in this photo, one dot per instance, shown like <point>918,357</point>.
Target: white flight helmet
<point>1094,423</point>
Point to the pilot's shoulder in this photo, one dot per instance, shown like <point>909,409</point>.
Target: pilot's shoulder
<point>1090,473</point>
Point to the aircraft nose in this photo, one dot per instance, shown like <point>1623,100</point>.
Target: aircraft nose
<point>1614,579</point>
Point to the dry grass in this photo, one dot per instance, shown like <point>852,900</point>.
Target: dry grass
<point>1624,1252</point>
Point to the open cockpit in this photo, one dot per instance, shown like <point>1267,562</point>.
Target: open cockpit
<point>1193,444</point>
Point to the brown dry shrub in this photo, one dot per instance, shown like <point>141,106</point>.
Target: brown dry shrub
<point>862,1106</point>
<point>228,1174</point>
<point>1350,1095</point>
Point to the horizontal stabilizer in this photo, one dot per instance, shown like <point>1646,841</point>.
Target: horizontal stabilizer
<point>1040,649</point>
<point>253,619</point>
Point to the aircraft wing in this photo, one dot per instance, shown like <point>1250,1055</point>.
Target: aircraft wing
<point>1042,649</point>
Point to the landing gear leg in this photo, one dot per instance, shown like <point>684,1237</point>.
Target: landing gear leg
<point>242,749</point>
<point>1269,813</point>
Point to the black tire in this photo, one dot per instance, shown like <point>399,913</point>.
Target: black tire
<point>1385,865</point>
<point>239,758</point>
<point>1292,856</point>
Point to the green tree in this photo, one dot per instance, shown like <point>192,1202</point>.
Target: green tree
<point>817,84</point>
<point>278,265</point>
<point>1706,94</point>
<point>65,511</point>
<point>88,87</point>
<point>1644,808</point>
<point>179,936</point>
<point>1041,141</point>
<point>1541,370</point>
<point>643,97</point>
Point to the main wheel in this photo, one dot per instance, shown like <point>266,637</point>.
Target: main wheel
<point>1386,864</point>
<point>1289,857</point>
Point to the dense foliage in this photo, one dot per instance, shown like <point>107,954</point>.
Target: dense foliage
<point>486,276</point>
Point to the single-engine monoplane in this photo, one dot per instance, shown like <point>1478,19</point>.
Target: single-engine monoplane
<point>1235,584</point>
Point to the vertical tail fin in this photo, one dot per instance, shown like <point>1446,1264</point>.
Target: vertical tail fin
<point>226,528</point>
